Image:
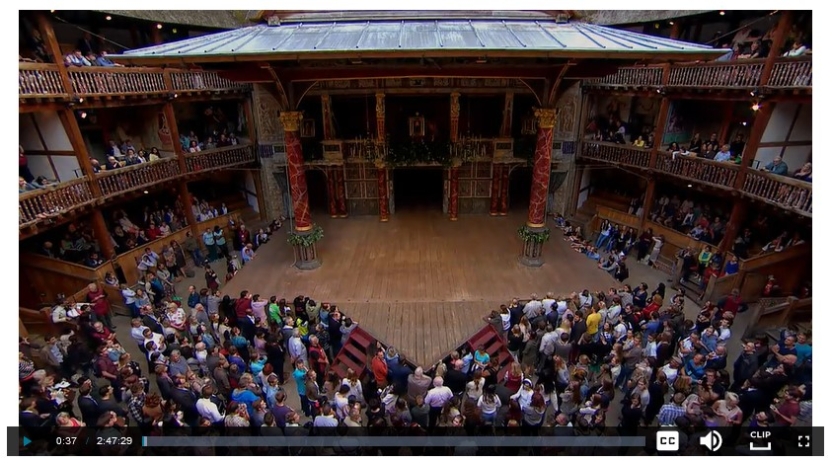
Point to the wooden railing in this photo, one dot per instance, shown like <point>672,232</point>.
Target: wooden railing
<point>722,174</point>
<point>779,190</point>
<point>644,76</point>
<point>44,80</point>
<point>93,81</point>
<point>198,80</point>
<point>791,73</point>
<point>786,73</point>
<point>37,205</point>
<point>219,158</point>
<point>617,153</point>
<point>139,176</point>
<point>40,80</point>
<point>718,74</point>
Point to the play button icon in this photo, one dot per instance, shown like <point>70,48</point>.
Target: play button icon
<point>26,441</point>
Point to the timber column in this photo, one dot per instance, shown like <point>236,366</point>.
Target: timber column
<point>453,194</point>
<point>383,194</point>
<point>535,233</point>
<point>306,254</point>
<point>340,191</point>
<point>496,172</point>
<point>331,195</point>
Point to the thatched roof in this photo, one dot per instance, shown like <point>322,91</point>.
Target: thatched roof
<point>218,19</point>
<point>232,19</point>
<point>614,17</point>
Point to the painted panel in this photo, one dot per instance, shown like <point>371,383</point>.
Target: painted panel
<point>52,131</point>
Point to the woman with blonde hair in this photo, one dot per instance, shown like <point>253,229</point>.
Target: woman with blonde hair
<point>728,409</point>
<point>514,377</point>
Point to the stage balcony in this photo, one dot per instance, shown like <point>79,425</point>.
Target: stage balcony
<point>787,74</point>
<point>42,83</point>
<point>778,190</point>
<point>57,202</point>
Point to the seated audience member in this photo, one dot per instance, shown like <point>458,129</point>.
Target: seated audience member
<point>805,173</point>
<point>777,167</point>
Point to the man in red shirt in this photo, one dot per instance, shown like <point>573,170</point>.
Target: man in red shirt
<point>732,303</point>
<point>100,307</point>
<point>786,413</point>
<point>380,369</point>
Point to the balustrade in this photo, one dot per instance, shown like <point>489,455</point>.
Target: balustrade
<point>791,73</point>
<point>736,73</point>
<point>716,173</point>
<point>197,80</point>
<point>783,191</point>
<point>619,154</point>
<point>139,176</point>
<point>643,76</point>
<point>39,80</point>
<point>53,200</point>
<point>219,158</point>
<point>116,81</point>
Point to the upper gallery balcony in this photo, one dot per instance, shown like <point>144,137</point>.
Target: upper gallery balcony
<point>43,82</point>
<point>794,73</point>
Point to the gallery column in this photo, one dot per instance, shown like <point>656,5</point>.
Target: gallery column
<point>535,233</point>
<point>453,194</point>
<point>383,194</point>
<point>496,172</point>
<point>304,235</point>
<point>340,191</point>
<point>331,195</point>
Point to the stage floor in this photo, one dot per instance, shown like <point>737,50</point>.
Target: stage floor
<point>421,282</point>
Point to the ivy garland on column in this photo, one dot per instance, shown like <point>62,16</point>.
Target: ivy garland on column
<point>306,239</point>
<point>537,237</point>
<point>423,152</point>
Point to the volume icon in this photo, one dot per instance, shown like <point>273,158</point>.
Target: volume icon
<point>712,441</point>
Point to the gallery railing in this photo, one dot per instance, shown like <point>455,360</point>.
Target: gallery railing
<point>49,202</point>
<point>136,177</point>
<point>616,153</point>
<point>722,174</point>
<point>219,158</point>
<point>779,190</point>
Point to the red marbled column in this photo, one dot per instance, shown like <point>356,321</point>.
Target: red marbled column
<point>383,196</point>
<point>297,174</point>
<point>504,189</point>
<point>453,200</point>
<point>340,191</point>
<point>330,192</point>
<point>542,168</point>
<point>495,188</point>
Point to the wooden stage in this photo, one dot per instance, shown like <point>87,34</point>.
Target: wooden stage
<point>419,282</point>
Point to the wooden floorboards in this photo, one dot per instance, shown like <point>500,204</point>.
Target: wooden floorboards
<point>419,282</point>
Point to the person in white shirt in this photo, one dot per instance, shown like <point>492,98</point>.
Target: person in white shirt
<point>524,395</point>
<point>724,330</point>
<point>650,348</point>
<point>614,311</point>
<point>137,331</point>
<point>208,409</point>
<point>533,308</point>
<point>585,298</point>
<point>59,314</point>
<point>437,397</point>
<point>489,403</point>
<point>297,351</point>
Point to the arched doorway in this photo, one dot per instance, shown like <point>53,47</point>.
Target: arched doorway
<point>519,188</point>
<point>316,186</point>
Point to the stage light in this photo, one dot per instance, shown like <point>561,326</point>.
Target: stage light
<point>146,192</point>
<point>109,18</point>
<point>671,23</point>
<point>83,114</point>
<point>690,185</point>
<point>174,30</point>
<point>744,124</point>
<point>722,13</point>
<point>158,26</point>
<point>755,107</point>
<point>657,25</point>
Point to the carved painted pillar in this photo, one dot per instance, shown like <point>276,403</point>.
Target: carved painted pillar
<point>504,189</point>
<point>453,195</point>
<point>340,191</point>
<point>536,232</point>
<point>508,112</point>
<point>326,112</point>
<point>306,255</point>
<point>383,194</point>
<point>331,195</point>
<point>496,172</point>
<point>454,116</point>
<point>380,114</point>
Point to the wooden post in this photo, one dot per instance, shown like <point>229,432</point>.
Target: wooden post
<point>658,132</point>
<point>676,29</point>
<point>102,234</point>
<point>786,313</point>
<point>758,128</point>
<point>454,116</point>
<point>258,189</point>
<point>70,124</point>
<point>508,115</point>
<point>251,127</point>
<point>381,130</point>
<point>48,35</point>
<point>156,35</point>
<point>777,43</point>
<point>170,116</point>
<point>648,201</point>
<point>727,117</point>
<point>733,226</point>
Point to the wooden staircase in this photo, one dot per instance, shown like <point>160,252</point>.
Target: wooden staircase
<point>356,353</point>
<point>494,345</point>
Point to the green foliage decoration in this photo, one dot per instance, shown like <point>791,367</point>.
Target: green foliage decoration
<point>306,239</point>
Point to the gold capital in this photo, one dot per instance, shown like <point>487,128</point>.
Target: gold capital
<point>291,120</point>
<point>546,117</point>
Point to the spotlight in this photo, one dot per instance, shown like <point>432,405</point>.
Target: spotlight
<point>671,23</point>
<point>755,107</point>
<point>744,123</point>
<point>657,25</point>
<point>83,114</point>
<point>174,30</point>
<point>51,11</point>
<point>722,13</point>
<point>108,18</point>
<point>146,192</point>
<point>690,185</point>
<point>158,26</point>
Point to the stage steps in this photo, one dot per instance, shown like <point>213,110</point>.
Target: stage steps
<point>494,345</point>
<point>355,354</point>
